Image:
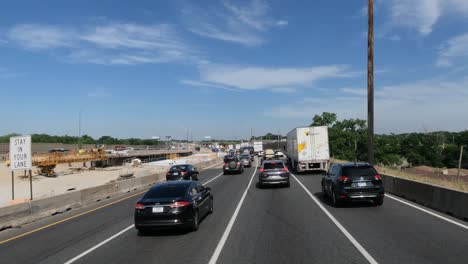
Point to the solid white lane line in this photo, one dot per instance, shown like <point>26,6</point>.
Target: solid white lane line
<point>361,249</point>
<point>222,241</point>
<point>426,211</point>
<point>121,232</point>
<point>212,166</point>
<point>216,177</point>
<point>98,245</point>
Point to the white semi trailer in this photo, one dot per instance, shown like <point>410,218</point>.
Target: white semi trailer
<point>308,148</point>
<point>258,147</point>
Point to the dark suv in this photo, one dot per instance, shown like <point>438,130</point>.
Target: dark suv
<point>353,181</point>
<point>232,164</point>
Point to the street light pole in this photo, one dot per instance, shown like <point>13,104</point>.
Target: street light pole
<point>460,162</point>
<point>370,82</point>
<point>79,128</point>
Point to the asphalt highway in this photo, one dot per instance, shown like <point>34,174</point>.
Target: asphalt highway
<point>249,225</point>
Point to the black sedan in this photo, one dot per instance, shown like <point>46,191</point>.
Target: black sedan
<point>182,172</point>
<point>173,204</point>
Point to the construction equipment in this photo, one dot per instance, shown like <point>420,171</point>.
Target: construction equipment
<point>46,162</point>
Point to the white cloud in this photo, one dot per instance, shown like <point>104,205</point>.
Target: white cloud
<point>422,15</point>
<point>284,90</point>
<point>40,37</point>
<point>355,91</point>
<point>207,85</point>
<point>99,93</point>
<point>282,23</point>
<point>108,43</point>
<point>242,24</point>
<point>436,104</point>
<point>274,79</point>
<point>7,74</point>
<point>456,47</point>
<point>394,38</point>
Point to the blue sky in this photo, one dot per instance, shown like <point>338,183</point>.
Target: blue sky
<point>146,68</point>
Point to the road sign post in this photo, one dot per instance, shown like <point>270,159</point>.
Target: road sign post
<point>12,185</point>
<point>20,159</point>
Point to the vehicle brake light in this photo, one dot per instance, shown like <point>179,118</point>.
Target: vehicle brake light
<point>184,173</point>
<point>140,206</point>
<point>284,169</point>
<point>180,204</point>
<point>238,163</point>
<point>343,178</point>
<point>168,173</point>
<point>262,170</point>
<point>378,177</point>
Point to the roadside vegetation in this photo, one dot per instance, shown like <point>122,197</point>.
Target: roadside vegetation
<point>348,141</point>
<point>85,139</point>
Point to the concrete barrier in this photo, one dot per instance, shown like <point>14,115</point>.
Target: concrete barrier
<point>12,215</point>
<point>447,201</point>
<point>20,214</point>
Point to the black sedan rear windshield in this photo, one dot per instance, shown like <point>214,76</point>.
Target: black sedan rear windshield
<point>166,192</point>
<point>273,165</point>
<point>359,171</point>
<point>179,167</point>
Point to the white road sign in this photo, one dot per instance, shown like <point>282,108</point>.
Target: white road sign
<point>20,153</point>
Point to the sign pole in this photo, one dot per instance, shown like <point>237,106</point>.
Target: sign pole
<point>30,184</point>
<point>12,185</point>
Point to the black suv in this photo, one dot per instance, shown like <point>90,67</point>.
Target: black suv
<point>353,181</point>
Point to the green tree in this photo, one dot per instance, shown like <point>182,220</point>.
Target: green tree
<point>326,119</point>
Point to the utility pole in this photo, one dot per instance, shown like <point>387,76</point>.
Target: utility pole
<point>370,82</point>
<point>251,134</point>
<point>79,128</point>
<point>460,162</point>
<point>278,138</point>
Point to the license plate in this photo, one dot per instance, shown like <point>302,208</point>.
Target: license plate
<point>175,173</point>
<point>158,209</point>
<point>362,184</point>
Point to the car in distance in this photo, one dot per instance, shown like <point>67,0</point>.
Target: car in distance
<point>246,160</point>
<point>232,152</point>
<point>59,150</point>
<point>232,164</point>
<point>281,156</point>
<point>353,181</point>
<point>182,172</point>
<point>273,172</point>
<point>173,204</point>
<point>269,154</point>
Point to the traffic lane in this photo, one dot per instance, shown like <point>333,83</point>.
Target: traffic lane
<point>63,241</point>
<point>397,233</point>
<point>283,225</point>
<point>178,246</point>
<point>205,175</point>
